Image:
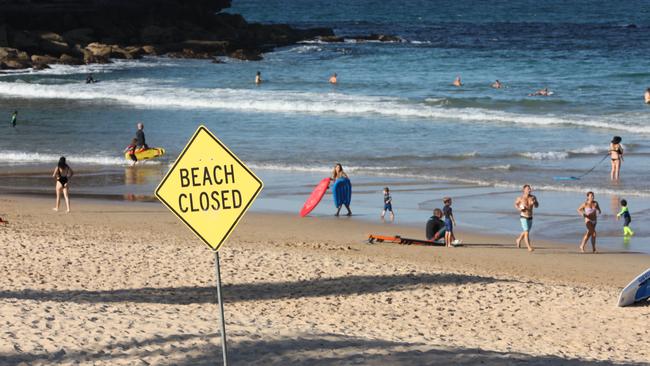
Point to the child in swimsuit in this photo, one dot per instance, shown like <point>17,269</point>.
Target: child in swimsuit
<point>627,219</point>
<point>388,204</point>
<point>450,222</point>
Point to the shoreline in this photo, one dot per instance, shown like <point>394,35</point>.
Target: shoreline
<point>481,209</point>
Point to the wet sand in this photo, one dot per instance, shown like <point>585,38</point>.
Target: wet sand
<point>116,283</point>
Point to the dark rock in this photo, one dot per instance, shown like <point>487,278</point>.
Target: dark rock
<point>43,60</point>
<point>246,55</point>
<point>70,60</point>
<point>14,64</point>
<point>80,36</point>
<point>377,37</point>
<point>331,39</point>
<point>4,41</point>
<point>99,50</point>
<point>149,50</point>
<point>40,66</point>
<point>25,41</point>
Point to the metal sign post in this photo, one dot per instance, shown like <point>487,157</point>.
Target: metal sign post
<point>209,189</point>
<point>224,347</point>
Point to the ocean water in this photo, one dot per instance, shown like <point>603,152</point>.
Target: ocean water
<point>393,117</point>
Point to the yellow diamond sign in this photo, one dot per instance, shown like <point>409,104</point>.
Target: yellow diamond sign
<point>209,188</point>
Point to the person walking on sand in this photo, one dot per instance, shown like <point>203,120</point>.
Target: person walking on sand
<point>258,78</point>
<point>338,173</point>
<point>525,205</point>
<point>333,79</point>
<point>457,82</point>
<point>14,118</point>
<point>616,154</point>
<point>589,210</point>
<point>62,173</point>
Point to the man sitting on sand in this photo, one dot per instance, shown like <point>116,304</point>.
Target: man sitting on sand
<point>457,82</point>
<point>435,226</point>
<point>542,93</point>
<point>333,79</point>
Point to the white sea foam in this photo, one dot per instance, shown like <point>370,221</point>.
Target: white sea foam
<point>147,95</point>
<point>97,68</point>
<point>19,157</point>
<point>549,155</point>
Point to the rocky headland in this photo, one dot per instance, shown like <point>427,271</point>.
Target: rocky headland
<point>38,33</point>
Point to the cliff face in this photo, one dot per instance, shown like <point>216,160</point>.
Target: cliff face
<point>34,33</point>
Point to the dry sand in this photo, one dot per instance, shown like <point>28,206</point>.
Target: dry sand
<point>127,284</point>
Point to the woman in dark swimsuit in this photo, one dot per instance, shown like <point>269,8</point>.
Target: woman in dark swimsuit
<point>62,174</point>
<point>616,154</point>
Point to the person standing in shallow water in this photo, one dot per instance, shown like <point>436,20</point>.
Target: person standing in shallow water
<point>646,96</point>
<point>525,204</point>
<point>336,174</point>
<point>62,173</point>
<point>616,154</point>
<point>589,210</point>
<point>14,118</point>
<point>333,79</point>
<point>258,78</point>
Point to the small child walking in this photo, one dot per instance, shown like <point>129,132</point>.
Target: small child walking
<point>450,222</point>
<point>131,151</point>
<point>388,205</point>
<point>627,218</point>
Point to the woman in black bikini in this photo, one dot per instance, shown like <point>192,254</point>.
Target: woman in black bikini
<point>616,154</point>
<point>62,174</point>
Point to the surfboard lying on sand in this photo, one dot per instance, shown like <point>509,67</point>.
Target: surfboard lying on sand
<point>150,153</point>
<point>315,197</point>
<point>372,238</point>
<point>637,290</point>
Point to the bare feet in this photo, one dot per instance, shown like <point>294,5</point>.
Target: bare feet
<point>531,249</point>
<point>582,248</point>
<point>518,242</point>
<point>55,209</point>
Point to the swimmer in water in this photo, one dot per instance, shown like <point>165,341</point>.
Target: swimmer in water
<point>333,79</point>
<point>457,82</point>
<point>542,93</point>
<point>646,96</point>
<point>258,78</point>
<point>497,85</point>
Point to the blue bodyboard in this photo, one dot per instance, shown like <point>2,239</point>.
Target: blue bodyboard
<point>342,192</point>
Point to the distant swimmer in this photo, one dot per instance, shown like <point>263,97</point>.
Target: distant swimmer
<point>497,85</point>
<point>457,82</point>
<point>542,93</point>
<point>90,79</point>
<point>14,118</point>
<point>258,78</point>
<point>139,136</point>
<point>646,96</point>
<point>333,79</point>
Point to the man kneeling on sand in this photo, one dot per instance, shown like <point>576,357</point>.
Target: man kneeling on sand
<point>435,226</point>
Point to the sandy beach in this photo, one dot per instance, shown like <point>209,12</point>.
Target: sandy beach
<point>116,283</point>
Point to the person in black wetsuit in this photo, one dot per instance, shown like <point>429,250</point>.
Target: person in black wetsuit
<point>435,226</point>
<point>90,79</point>
<point>139,135</point>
